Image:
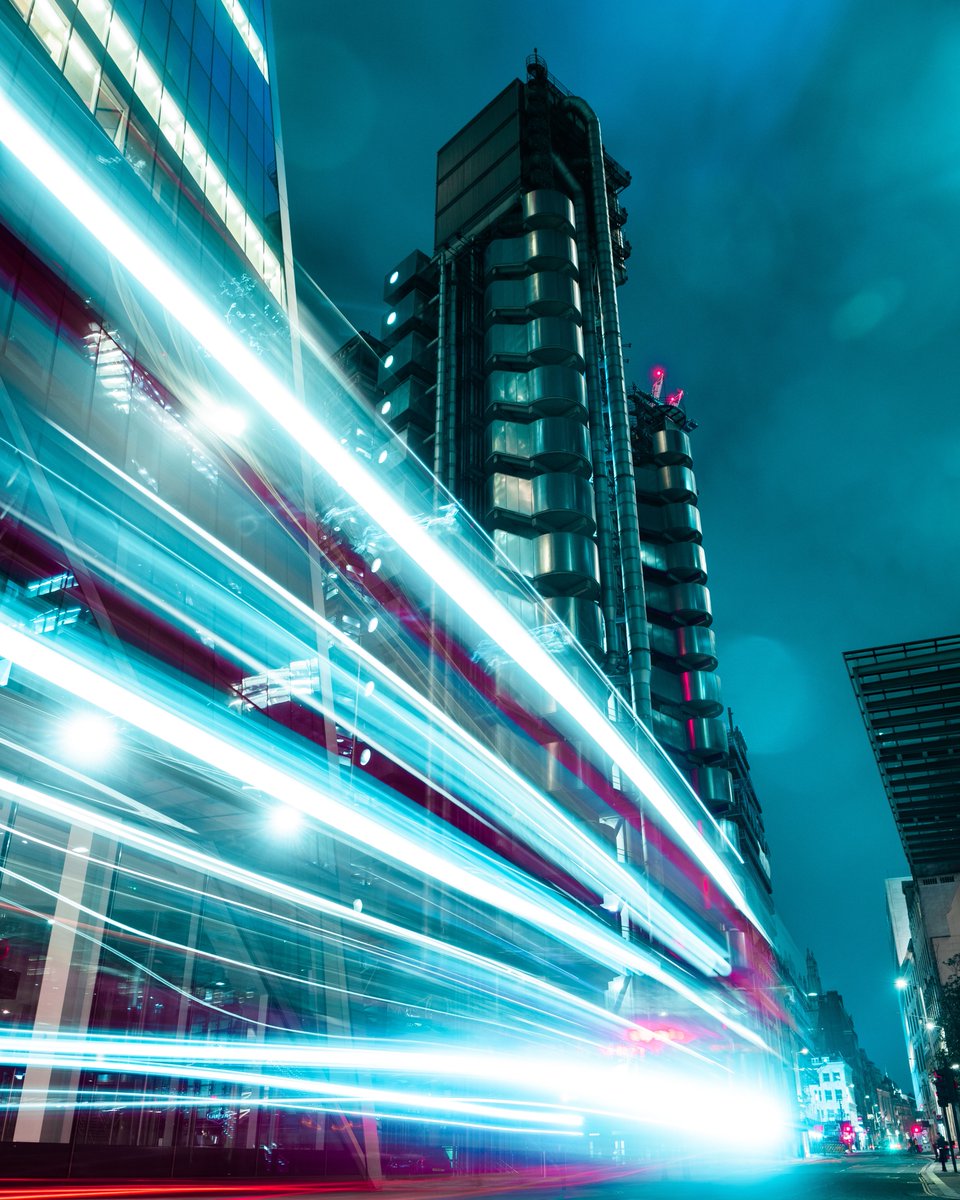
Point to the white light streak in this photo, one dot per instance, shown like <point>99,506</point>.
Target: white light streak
<point>544,911</point>
<point>506,975</point>
<point>347,470</point>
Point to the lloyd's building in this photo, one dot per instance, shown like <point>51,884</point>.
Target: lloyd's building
<point>311,812</point>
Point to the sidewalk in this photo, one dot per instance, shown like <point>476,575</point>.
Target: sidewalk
<point>936,1183</point>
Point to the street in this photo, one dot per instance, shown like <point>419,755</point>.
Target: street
<point>865,1176</point>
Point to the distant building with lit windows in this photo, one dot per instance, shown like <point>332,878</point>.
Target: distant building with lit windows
<point>833,1096</point>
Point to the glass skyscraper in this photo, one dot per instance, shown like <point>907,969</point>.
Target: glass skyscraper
<point>182,92</point>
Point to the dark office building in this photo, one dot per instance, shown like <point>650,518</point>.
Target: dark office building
<point>909,698</point>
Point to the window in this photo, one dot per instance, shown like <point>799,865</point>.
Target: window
<point>51,27</point>
<point>81,71</point>
<point>828,1095</point>
<point>836,1077</point>
<point>111,113</point>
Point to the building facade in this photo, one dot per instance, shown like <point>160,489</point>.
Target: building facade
<point>907,694</point>
<point>296,785</point>
<point>505,372</point>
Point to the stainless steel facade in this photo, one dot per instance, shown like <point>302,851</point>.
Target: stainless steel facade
<point>505,372</point>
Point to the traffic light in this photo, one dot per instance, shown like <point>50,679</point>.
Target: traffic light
<point>945,1085</point>
<point>847,1134</point>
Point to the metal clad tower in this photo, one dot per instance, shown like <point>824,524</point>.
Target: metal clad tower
<point>505,372</point>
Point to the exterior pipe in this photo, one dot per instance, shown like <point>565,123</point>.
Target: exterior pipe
<point>609,576</point>
<point>449,479</point>
<point>439,396</point>
<point>638,635</point>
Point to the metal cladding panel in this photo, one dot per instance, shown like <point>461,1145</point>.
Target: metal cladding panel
<point>701,693</point>
<point>564,502</point>
<point>583,618</point>
<point>547,340</point>
<point>545,293</point>
<point>520,550</point>
<point>653,557</point>
<point>548,209</point>
<point>686,562</point>
<point>409,404</point>
<point>663,641</point>
<point>691,604</point>
<point>696,646</point>
<point>411,312</point>
<point>681,522</point>
<point>714,787</point>
<point>566,564</point>
<point>509,500</point>
<point>554,444</point>
<point>412,355</point>
<point>671,447</point>
<point>706,740</point>
<point>556,341</point>
<point>665,688</point>
<point>650,518</point>
<point>415,270</point>
<point>507,343</point>
<point>480,167</point>
<point>539,250</point>
<point>647,483</point>
<point>670,731</point>
<point>505,298</point>
<point>550,293</point>
<point>658,602</point>
<point>677,483</point>
<point>544,391</point>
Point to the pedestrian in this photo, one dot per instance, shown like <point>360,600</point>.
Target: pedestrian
<point>943,1154</point>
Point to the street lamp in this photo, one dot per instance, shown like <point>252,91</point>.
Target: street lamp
<point>801,1100</point>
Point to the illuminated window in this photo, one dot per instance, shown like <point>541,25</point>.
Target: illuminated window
<point>247,34</point>
<point>121,48</point>
<point>172,123</point>
<point>112,114</point>
<point>51,27</point>
<point>97,15</point>
<point>148,87</point>
<point>81,71</point>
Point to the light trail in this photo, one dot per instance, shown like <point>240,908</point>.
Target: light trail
<point>410,728</point>
<point>184,307</point>
<point>473,877</point>
<point>498,974</point>
<point>544,1092</point>
<point>475,987</point>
